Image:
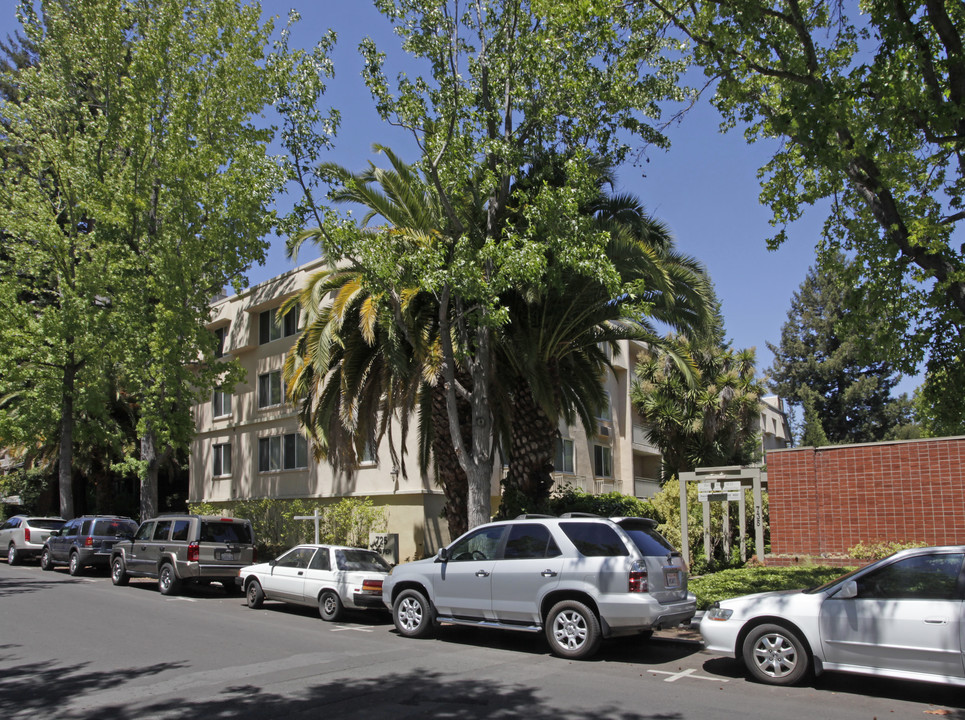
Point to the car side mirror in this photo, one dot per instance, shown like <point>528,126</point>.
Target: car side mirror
<point>54,533</point>
<point>847,591</point>
<point>442,555</point>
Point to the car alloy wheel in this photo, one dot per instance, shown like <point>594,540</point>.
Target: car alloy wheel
<point>45,562</point>
<point>74,566</point>
<point>412,614</point>
<point>775,655</point>
<point>12,556</point>
<point>119,572</point>
<point>167,580</point>
<point>573,630</point>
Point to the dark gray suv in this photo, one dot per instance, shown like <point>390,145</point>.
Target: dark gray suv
<point>85,541</point>
<point>178,549</point>
<point>577,578</point>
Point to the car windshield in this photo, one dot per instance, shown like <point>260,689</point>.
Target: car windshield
<point>365,560</point>
<point>44,524</point>
<point>114,528</point>
<point>219,531</point>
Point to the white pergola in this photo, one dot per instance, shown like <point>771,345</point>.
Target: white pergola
<point>727,485</point>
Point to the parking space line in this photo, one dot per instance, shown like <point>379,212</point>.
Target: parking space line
<point>359,628</point>
<point>691,672</point>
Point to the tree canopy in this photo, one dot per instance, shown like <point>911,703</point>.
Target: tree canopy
<point>867,101</point>
<point>820,365</point>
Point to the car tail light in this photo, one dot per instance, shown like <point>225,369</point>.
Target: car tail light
<point>26,534</point>
<point>89,542</point>
<point>194,552</point>
<point>638,579</point>
<point>372,586</point>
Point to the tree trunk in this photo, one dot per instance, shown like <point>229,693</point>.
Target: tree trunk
<point>448,472</point>
<point>65,481</point>
<point>149,473</point>
<point>533,447</point>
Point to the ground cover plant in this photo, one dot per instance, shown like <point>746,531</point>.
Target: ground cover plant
<point>743,581</point>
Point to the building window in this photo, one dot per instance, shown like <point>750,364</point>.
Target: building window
<point>602,461</point>
<point>221,334</point>
<point>270,329</point>
<point>270,389</point>
<point>605,412</point>
<point>564,456</point>
<point>282,452</point>
<point>221,455</point>
<point>369,455</point>
<point>221,403</point>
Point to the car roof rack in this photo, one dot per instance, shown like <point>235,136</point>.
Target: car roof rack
<point>532,516</point>
<point>580,515</point>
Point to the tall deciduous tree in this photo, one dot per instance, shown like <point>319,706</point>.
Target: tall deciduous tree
<point>506,86</point>
<point>146,192</point>
<point>819,365</point>
<point>868,101</point>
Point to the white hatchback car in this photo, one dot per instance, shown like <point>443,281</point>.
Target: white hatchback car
<point>900,617</point>
<point>334,577</point>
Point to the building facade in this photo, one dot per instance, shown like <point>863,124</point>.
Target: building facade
<point>249,446</point>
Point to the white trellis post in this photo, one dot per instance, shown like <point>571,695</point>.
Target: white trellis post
<point>316,517</point>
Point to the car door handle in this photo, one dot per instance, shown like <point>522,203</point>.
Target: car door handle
<point>548,573</point>
<point>936,621</point>
<point>482,573</point>
<point>300,572</point>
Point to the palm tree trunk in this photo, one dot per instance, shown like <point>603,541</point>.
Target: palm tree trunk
<point>532,448</point>
<point>448,471</point>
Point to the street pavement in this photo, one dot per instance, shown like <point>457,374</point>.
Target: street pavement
<point>82,649</point>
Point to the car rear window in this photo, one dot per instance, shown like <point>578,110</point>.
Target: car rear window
<point>363,560</point>
<point>594,539</point>
<point>114,528</point>
<point>41,524</point>
<point>648,540</point>
<point>219,531</point>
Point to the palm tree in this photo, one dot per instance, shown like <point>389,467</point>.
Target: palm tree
<point>555,343</point>
<point>369,355</point>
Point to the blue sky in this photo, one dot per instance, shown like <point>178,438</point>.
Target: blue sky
<point>704,188</point>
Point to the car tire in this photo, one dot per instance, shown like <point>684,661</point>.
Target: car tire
<point>167,580</point>
<point>412,614</point>
<point>573,630</point>
<point>46,562</point>
<point>330,606</point>
<point>254,595</point>
<point>119,574</point>
<point>775,655</point>
<point>13,557</point>
<point>73,566</point>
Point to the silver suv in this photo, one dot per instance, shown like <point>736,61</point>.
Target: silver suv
<point>185,548</point>
<point>578,578</point>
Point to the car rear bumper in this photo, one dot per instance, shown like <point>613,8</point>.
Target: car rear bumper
<point>631,613</point>
<point>368,600</point>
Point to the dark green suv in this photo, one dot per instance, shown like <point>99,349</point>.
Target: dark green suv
<point>178,549</point>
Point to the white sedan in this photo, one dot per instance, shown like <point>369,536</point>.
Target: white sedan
<point>900,617</point>
<point>334,577</point>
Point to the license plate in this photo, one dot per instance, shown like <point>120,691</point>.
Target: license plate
<point>672,578</point>
<point>227,556</point>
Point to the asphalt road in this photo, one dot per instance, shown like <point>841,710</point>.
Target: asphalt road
<point>80,648</point>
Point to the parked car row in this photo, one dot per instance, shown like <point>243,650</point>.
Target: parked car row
<point>576,578</point>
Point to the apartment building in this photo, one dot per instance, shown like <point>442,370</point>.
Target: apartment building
<point>248,443</point>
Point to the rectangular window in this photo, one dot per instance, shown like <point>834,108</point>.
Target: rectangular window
<point>220,403</point>
<point>221,459</point>
<point>270,390</point>
<point>369,456</point>
<point>282,452</point>
<point>602,461</point>
<point>270,328</point>
<point>221,334</point>
<point>564,456</point>
<point>605,412</point>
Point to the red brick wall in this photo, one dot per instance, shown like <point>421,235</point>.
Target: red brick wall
<point>826,500</point>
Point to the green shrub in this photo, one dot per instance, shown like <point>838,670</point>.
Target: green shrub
<point>878,550</point>
<point>744,581</point>
<point>614,504</point>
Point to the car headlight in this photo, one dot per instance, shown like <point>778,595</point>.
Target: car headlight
<point>719,613</point>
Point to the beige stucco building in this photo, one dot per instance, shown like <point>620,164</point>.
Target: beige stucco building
<point>248,443</point>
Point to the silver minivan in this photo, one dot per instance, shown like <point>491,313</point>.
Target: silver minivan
<point>578,578</point>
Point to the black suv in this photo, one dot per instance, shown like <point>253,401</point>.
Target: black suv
<point>180,548</point>
<point>84,541</point>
